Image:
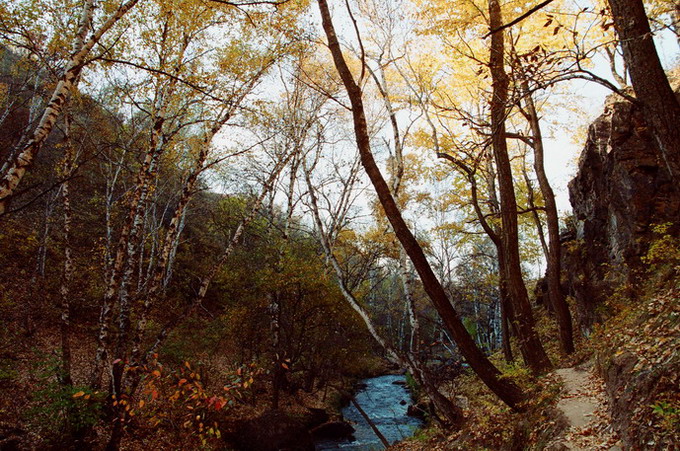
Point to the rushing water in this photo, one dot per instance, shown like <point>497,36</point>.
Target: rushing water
<point>386,404</point>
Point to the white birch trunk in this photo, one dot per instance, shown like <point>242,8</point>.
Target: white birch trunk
<point>67,169</point>
<point>81,49</point>
<point>217,267</point>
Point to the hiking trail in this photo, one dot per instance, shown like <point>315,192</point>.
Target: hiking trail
<point>584,406</point>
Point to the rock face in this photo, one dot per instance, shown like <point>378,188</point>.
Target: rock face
<point>619,192</point>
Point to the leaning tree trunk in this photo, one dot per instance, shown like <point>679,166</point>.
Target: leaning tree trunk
<point>505,389</point>
<point>649,80</point>
<point>530,344</point>
<point>452,413</point>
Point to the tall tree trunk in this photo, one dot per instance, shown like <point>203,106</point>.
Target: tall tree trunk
<point>121,415</point>
<point>67,168</point>
<point>130,262</point>
<point>277,370</point>
<point>38,283</point>
<point>297,142</point>
<point>113,171</point>
<point>144,177</point>
<point>163,268</point>
<point>531,203</point>
<point>217,267</point>
<point>169,245</point>
<point>505,389</point>
<point>530,344</point>
<point>406,283</point>
<point>505,330</point>
<point>649,80</point>
<point>120,271</point>
<point>557,299</point>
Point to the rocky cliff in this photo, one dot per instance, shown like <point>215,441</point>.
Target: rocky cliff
<point>620,191</point>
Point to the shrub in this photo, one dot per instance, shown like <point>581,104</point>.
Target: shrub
<point>62,410</point>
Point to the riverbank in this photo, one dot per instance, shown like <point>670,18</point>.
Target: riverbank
<point>291,426</point>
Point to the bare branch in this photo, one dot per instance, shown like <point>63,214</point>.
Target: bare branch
<point>519,18</point>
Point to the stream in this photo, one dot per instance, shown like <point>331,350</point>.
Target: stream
<point>381,399</point>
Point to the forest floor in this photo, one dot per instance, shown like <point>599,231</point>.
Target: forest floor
<point>578,419</point>
<point>583,404</point>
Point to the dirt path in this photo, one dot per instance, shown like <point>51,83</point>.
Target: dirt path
<point>583,404</point>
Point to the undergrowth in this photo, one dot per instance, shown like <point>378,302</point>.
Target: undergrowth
<point>639,354</point>
<point>638,349</point>
<point>491,425</point>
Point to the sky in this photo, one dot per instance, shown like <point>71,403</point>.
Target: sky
<point>563,143</point>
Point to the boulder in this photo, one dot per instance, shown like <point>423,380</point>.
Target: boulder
<point>315,418</point>
<point>10,437</point>
<point>419,410</point>
<point>272,431</point>
<point>333,430</point>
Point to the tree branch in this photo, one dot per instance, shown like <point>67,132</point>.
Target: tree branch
<point>518,19</point>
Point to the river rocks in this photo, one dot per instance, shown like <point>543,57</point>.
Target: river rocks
<point>315,418</point>
<point>333,430</point>
<point>274,430</point>
<point>619,192</point>
<point>419,410</point>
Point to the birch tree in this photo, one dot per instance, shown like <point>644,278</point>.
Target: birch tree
<point>85,38</point>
